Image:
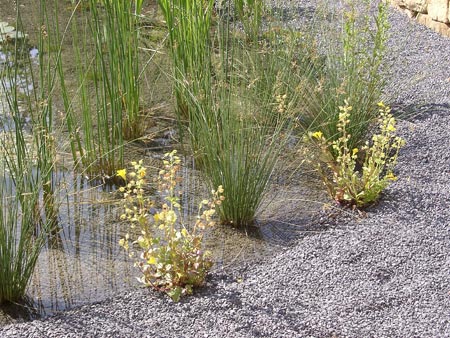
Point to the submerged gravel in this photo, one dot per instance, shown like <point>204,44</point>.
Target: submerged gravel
<point>385,275</point>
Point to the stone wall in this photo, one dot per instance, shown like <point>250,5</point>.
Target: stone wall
<point>432,13</point>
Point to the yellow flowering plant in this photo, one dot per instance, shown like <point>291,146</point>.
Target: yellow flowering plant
<point>359,175</point>
<point>171,256</point>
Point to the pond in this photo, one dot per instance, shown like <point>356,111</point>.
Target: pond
<point>82,262</point>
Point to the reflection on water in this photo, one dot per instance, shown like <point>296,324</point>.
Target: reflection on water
<point>10,81</point>
<point>83,261</point>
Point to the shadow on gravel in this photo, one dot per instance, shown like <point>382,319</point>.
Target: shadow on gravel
<point>418,112</point>
<point>18,312</point>
<point>282,233</point>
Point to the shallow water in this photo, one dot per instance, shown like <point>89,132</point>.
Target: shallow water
<point>83,262</point>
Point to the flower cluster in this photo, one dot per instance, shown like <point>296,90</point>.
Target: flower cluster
<point>281,103</point>
<point>359,175</point>
<point>136,204</point>
<point>171,257</point>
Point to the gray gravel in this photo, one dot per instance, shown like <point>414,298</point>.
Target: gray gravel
<point>386,275</point>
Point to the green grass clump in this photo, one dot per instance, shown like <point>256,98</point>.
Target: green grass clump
<point>244,120</point>
<point>189,27</point>
<point>22,233</point>
<point>108,85</point>
<point>351,68</point>
<point>250,13</point>
<point>29,208</point>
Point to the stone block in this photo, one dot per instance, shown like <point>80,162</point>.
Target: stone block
<point>409,13</point>
<point>424,20</point>
<point>438,10</point>
<point>434,14</point>
<point>440,27</point>
<point>399,3</point>
<point>420,6</point>
<point>437,26</point>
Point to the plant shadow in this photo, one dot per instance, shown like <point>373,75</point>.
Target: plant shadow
<point>419,112</point>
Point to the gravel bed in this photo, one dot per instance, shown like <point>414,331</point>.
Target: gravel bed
<point>384,275</point>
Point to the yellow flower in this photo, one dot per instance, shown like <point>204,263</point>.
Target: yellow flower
<point>122,173</point>
<point>184,232</point>
<point>355,151</point>
<point>390,127</point>
<point>171,217</point>
<point>318,134</point>
<point>152,260</point>
<point>391,176</point>
<point>142,172</point>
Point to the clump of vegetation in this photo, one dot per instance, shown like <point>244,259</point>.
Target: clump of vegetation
<point>28,205</point>
<point>189,24</point>
<point>250,14</point>
<point>22,234</point>
<point>237,97</point>
<point>242,147</point>
<point>359,175</point>
<point>171,256</point>
<point>348,66</point>
<point>105,109</point>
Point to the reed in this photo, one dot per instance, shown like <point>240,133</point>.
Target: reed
<point>97,142</point>
<point>189,25</point>
<point>250,13</point>
<point>244,119</point>
<point>107,98</point>
<point>21,238</point>
<point>122,39</point>
<point>27,150</point>
<point>350,67</point>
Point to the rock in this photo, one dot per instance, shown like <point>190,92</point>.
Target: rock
<point>438,10</point>
<point>419,6</point>
<point>434,14</point>
<point>8,33</point>
<point>437,26</point>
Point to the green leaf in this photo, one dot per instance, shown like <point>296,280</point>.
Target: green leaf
<point>175,293</point>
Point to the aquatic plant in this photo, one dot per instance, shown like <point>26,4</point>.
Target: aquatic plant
<point>189,27</point>
<point>250,14</point>
<point>28,94</point>
<point>244,120</point>
<point>8,34</point>
<point>359,175</point>
<point>169,255</point>
<point>106,60</point>
<point>350,67</point>
<point>21,239</point>
<point>122,40</point>
<point>28,210</point>
<point>108,85</point>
